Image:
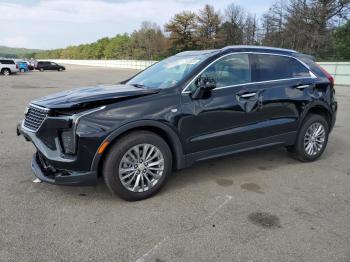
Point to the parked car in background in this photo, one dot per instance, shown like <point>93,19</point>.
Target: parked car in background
<point>22,66</point>
<point>8,67</point>
<point>190,107</point>
<point>47,65</point>
<point>30,66</point>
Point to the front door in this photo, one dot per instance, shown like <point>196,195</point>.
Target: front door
<point>226,116</point>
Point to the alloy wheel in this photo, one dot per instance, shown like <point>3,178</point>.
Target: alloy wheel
<point>314,139</point>
<point>141,167</point>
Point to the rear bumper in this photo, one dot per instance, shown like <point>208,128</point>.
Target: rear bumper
<point>334,107</point>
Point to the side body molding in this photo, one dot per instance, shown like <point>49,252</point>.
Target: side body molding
<point>172,137</point>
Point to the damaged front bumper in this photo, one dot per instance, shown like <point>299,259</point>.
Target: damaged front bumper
<point>53,167</point>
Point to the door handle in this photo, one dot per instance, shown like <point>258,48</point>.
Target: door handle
<point>247,95</point>
<point>301,87</point>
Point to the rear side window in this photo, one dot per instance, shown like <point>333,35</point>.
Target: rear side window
<point>274,67</point>
<point>311,63</point>
<point>7,62</point>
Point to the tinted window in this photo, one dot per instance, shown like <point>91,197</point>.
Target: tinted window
<point>230,70</point>
<point>274,67</point>
<point>7,62</point>
<point>297,69</point>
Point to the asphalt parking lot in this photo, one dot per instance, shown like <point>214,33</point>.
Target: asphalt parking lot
<point>257,206</point>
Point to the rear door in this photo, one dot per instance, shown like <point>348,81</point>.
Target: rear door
<point>46,65</point>
<point>284,83</point>
<point>53,66</point>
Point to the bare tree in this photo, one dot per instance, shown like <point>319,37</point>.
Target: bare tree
<point>273,24</point>
<point>250,30</point>
<point>231,31</point>
<point>149,41</point>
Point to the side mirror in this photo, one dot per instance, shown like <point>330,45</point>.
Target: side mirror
<point>204,86</point>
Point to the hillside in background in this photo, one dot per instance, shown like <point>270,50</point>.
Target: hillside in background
<point>17,52</point>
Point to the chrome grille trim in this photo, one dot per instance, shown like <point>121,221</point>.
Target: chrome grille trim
<point>34,117</point>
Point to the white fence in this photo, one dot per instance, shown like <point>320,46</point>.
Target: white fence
<point>339,70</point>
<point>131,64</point>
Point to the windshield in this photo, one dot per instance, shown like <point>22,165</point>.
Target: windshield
<point>168,72</point>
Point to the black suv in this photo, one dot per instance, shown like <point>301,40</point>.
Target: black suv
<point>46,65</point>
<point>189,107</point>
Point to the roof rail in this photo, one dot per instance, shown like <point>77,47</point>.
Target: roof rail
<point>259,47</point>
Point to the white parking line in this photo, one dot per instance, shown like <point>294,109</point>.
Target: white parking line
<point>143,258</point>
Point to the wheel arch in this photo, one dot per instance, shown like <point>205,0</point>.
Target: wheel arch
<point>319,109</point>
<point>5,68</point>
<point>164,131</point>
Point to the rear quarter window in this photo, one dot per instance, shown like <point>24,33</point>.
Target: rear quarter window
<point>310,61</point>
<point>274,67</point>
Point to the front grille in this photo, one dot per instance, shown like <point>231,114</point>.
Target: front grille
<point>35,117</point>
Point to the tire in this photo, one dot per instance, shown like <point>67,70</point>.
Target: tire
<point>59,69</point>
<point>142,184</point>
<point>22,70</point>
<point>6,72</point>
<point>304,152</point>
<point>41,69</point>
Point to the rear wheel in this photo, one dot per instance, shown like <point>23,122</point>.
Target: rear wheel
<point>41,69</point>
<point>22,70</point>
<point>137,166</point>
<point>6,72</point>
<point>312,139</point>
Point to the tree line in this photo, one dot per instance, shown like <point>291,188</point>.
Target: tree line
<point>317,27</point>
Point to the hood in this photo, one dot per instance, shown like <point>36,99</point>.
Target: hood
<point>92,96</point>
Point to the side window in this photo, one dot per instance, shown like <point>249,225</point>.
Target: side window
<point>230,70</point>
<point>274,67</point>
<point>298,69</point>
<point>7,62</point>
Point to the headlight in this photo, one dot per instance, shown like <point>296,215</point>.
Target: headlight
<point>68,136</point>
<point>68,141</point>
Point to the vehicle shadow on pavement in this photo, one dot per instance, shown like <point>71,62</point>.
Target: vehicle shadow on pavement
<point>225,169</point>
<point>231,167</point>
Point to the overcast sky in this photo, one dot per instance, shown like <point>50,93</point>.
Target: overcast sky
<point>47,24</point>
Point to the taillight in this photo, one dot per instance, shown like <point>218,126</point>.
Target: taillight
<point>17,66</point>
<point>328,75</point>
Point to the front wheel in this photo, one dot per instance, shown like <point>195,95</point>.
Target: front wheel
<point>41,69</point>
<point>137,166</point>
<point>312,139</point>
